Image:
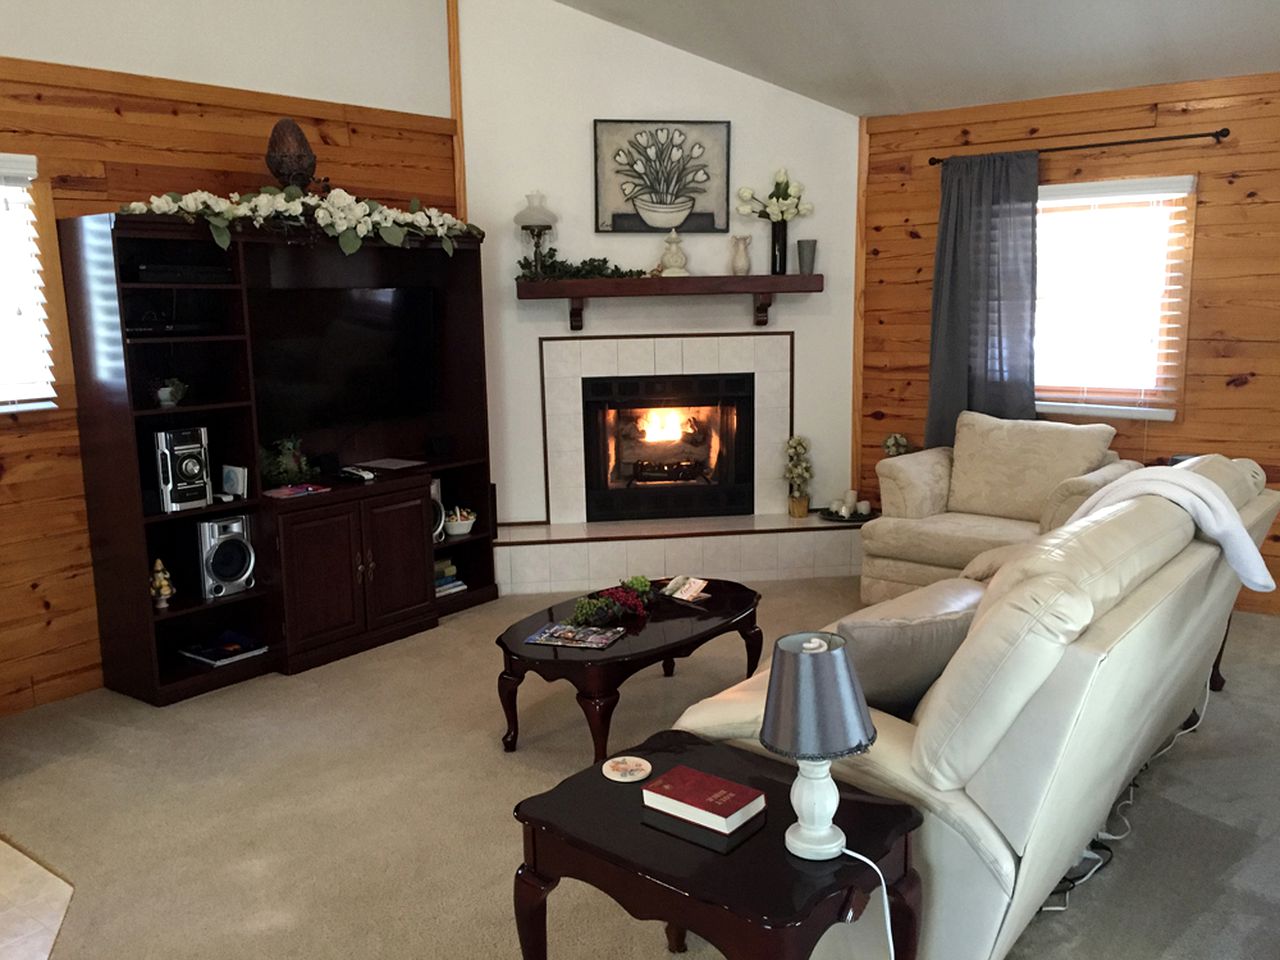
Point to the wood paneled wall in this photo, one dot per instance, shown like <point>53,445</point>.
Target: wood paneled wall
<point>102,139</point>
<point>1232,400</point>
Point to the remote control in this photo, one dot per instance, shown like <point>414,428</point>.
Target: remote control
<point>357,473</point>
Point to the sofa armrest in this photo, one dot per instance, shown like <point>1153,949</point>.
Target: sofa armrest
<point>1067,496</point>
<point>886,769</point>
<point>915,485</point>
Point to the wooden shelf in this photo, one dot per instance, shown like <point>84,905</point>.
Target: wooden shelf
<point>193,408</point>
<point>197,338</point>
<point>188,605</point>
<point>148,285</point>
<point>246,504</point>
<point>761,289</point>
<point>471,597</point>
<point>181,677</point>
<point>467,538</point>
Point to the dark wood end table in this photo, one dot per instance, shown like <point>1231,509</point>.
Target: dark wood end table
<point>757,901</point>
<point>673,630</point>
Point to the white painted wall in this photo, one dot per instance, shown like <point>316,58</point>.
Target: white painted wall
<point>534,76</point>
<point>392,54</point>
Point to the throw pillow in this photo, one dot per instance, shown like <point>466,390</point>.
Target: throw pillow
<point>901,646</point>
<point>1007,468</point>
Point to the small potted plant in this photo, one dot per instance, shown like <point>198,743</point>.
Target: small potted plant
<point>170,392</point>
<point>783,204</point>
<point>798,473</point>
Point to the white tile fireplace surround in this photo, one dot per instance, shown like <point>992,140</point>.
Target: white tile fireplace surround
<point>570,554</point>
<point>566,360</point>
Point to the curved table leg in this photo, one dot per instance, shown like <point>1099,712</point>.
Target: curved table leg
<point>669,666</point>
<point>599,711</point>
<point>531,912</point>
<point>753,637</point>
<point>508,684</point>
<point>904,915</point>
<point>675,939</point>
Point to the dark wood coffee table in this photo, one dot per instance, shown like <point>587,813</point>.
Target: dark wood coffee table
<point>673,630</point>
<point>757,901</point>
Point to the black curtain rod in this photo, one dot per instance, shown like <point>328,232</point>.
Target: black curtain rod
<point>1217,135</point>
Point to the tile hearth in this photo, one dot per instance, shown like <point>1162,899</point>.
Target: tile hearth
<point>545,558</point>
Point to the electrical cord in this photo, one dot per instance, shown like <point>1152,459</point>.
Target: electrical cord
<point>1204,707</point>
<point>884,890</point>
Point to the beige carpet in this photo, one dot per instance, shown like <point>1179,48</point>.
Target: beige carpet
<point>363,809</point>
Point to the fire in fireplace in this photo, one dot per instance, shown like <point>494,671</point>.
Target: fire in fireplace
<point>668,446</point>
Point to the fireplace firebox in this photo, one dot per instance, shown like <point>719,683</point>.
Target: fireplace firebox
<point>669,446</point>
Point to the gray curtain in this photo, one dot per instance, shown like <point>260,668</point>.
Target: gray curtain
<point>984,292</point>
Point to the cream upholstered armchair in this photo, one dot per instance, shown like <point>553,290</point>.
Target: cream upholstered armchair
<point>1004,482</point>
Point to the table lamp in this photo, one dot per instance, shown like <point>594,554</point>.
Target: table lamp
<point>536,220</point>
<point>815,713</point>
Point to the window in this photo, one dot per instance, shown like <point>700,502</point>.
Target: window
<point>26,364</point>
<point>1113,265</point>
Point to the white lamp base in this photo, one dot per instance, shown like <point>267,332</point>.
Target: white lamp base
<point>815,798</point>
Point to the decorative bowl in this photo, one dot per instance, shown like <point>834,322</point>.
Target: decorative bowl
<point>459,528</point>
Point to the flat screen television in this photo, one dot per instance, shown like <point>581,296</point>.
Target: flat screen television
<point>331,363</point>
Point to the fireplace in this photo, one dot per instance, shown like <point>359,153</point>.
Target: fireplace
<point>669,446</point>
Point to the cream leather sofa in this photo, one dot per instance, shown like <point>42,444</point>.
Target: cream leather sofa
<point>1004,482</point>
<point>1086,651</point>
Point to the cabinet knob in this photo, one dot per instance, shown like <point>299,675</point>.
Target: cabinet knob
<point>359,569</point>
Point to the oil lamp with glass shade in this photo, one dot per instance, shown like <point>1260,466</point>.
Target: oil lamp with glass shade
<point>536,220</point>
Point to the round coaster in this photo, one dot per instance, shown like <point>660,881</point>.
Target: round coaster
<point>626,769</point>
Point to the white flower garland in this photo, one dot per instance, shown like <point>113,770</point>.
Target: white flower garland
<point>337,213</point>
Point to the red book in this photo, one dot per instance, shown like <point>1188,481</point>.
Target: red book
<point>704,799</point>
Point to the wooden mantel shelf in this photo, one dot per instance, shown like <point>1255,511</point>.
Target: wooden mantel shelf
<point>760,287</point>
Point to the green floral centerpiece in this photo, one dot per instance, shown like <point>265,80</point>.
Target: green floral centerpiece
<point>349,219</point>
<point>631,598</point>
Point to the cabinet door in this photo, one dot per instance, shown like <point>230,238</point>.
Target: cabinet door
<point>322,558</point>
<point>397,556</point>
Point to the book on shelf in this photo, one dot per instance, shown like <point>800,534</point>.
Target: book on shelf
<point>445,569</point>
<point>703,799</point>
<point>456,587</point>
<point>445,581</point>
<point>230,647</point>
<point>564,635</point>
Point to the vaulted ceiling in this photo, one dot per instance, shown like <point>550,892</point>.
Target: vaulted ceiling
<point>895,56</point>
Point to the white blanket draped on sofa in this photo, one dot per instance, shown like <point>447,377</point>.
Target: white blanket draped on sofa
<point>1209,507</point>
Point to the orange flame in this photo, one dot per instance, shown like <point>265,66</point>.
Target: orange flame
<point>663,425</point>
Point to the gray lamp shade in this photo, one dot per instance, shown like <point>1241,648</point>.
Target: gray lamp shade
<point>535,215</point>
<point>815,708</point>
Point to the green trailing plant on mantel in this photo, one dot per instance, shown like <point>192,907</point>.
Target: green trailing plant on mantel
<point>336,213</point>
<point>553,268</point>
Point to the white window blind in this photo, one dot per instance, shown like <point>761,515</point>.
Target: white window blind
<point>1113,268</point>
<point>26,366</point>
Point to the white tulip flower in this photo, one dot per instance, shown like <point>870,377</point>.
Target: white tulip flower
<point>795,189</point>
<point>663,133</point>
<point>696,151</point>
<point>805,209</point>
<point>746,209</point>
<point>788,214</point>
<point>621,157</point>
<point>746,193</point>
<point>676,153</point>
<point>652,152</point>
<point>780,176</point>
<point>628,189</point>
<point>642,138</point>
<point>677,137</point>
<point>638,166</point>
<point>701,177</point>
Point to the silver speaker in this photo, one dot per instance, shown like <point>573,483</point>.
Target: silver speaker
<point>226,557</point>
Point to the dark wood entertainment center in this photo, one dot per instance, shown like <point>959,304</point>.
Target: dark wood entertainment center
<point>336,572</point>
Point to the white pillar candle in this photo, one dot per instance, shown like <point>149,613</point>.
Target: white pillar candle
<point>864,508</point>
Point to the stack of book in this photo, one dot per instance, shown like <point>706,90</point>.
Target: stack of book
<point>447,581</point>
<point>702,808</point>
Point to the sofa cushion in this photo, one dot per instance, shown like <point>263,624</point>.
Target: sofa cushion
<point>901,646</point>
<point>1010,651</point>
<point>1007,468</point>
<point>1107,554</point>
<point>1240,480</point>
<point>943,540</point>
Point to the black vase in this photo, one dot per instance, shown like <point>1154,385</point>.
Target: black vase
<point>778,251</point>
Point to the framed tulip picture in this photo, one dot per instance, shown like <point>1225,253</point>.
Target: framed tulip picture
<point>656,175</point>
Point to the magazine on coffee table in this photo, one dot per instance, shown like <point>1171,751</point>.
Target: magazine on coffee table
<point>564,635</point>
